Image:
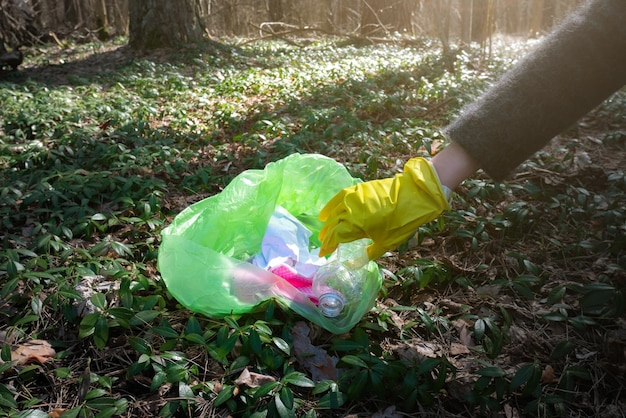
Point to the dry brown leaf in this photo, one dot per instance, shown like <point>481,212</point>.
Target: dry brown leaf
<point>465,335</point>
<point>90,285</point>
<point>548,376</point>
<point>389,412</point>
<point>252,379</point>
<point>314,359</point>
<point>458,349</point>
<point>510,412</point>
<point>425,348</point>
<point>34,351</point>
<point>56,413</point>
<point>395,318</point>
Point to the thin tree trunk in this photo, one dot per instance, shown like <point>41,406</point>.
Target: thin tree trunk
<point>275,10</point>
<point>441,10</point>
<point>536,17</point>
<point>102,20</point>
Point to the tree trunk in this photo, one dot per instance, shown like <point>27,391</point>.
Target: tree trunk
<point>511,16</point>
<point>336,15</point>
<point>164,23</point>
<point>441,14</point>
<point>379,17</point>
<point>330,22</point>
<point>71,14</point>
<point>371,17</point>
<point>275,10</point>
<point>480,20</point>
<point>536,17</point>
<point>102,20</point>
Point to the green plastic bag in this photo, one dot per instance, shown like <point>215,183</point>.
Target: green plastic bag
<point>203,257</point>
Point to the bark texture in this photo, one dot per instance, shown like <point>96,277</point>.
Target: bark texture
<point>164,23</point>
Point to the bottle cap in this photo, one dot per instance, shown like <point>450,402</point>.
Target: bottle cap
<point>330,304</point>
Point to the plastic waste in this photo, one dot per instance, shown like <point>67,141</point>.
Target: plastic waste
<point>204,256</point>
<point>338,284</point>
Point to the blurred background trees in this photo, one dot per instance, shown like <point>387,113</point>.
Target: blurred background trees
<point>24,22</point>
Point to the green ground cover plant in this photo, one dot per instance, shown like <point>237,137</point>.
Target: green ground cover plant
<point>512,303</point>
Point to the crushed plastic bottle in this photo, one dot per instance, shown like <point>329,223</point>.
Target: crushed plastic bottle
<point>339,283</point>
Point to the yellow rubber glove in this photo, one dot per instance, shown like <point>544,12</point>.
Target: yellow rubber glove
<point>387,211</point>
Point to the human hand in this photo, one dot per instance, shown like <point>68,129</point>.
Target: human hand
<point>387,211</point>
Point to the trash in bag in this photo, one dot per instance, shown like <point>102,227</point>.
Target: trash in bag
<point>258,240</point>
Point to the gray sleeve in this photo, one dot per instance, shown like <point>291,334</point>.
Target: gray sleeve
<point>569,73</point>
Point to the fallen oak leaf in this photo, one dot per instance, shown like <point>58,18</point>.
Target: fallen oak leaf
<point>252,379</point>
<point>458,349</point>
<point>548,376</point>
<point>34,351</point>
<point>465,335</point>
<point>57,412</point>
<point>316,360</point>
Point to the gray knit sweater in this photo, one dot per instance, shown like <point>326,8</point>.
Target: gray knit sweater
<point>570,72</point>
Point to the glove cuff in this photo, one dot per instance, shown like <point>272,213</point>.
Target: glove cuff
<point>447,192</point>
<point>423,172</point>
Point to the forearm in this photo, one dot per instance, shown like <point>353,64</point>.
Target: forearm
<point>567,75</point>
<point>453,165</point>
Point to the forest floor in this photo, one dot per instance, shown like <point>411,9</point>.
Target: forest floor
<point>512,304</point>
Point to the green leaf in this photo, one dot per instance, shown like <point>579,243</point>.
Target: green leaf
<point>144,317</point>
<point>283,410</point>
<point>176,373</point>
<point>354,361</point>
<point>158,379</point>
<point>582,321</point>
<point>26,319</point>
<point>282,345</point>
<point>286,396</point>
<point>185,391</point>
<point>427,365</point>
<point>72,413</point>
<point>579,372</point>
<point>523,375</point>
<point>101,332</point>
<point>62,372</point>
<point>88,324</point>
<point>165,331</point>
<point>332,400</point>
<point>140,345</point>
<point>255,341</point>
<point>169,409</point>
<point>357,385</point>
<point>5,353</point>
<point>491,371</point>
<point>32,413</point>
<point>125,294</point>
<point>556,295</point>
<point>121,313</point>
<point>6,397</point>
<point>195,338</point>
<point>95,393</point>
<point>561,350</point>
<point>479,329</point>
<point>98,217</point>
<point>231,322</point>
<point>298,379</point>
<point>101,403</point>
<point>555,317</point>
<point>99,300</point>
<point>265,389</point>
<point>225,394</point>
<point>193,326</point>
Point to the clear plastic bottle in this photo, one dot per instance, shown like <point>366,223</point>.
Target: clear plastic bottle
<point>339,283</point>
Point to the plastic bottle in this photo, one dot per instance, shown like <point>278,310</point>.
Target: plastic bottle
<point>338,283</point>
